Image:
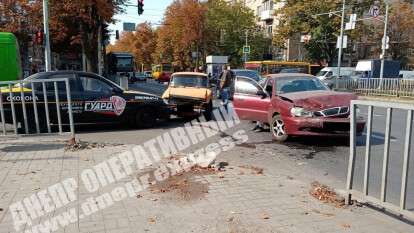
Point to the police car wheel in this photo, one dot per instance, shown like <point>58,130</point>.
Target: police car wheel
<point>145,118</point>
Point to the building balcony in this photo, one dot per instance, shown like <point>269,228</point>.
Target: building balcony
<point>266,15</point>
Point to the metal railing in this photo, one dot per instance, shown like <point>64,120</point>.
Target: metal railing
<point>382,201</point>
<point>395,87</point>
<point>21,103</point>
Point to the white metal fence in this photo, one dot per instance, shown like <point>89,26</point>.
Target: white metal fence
<point>26,106</point>
<point>382,200</point>
<point>395,87</point>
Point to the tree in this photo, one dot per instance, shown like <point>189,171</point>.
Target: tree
<point>20,18</point>
<point>400,31</point>
<point>214,27</point>
<point>72,22</point>
<point>141,44</point>
<point>181,33</point>
<point>90,16</point>
<point>300,17</point>
<point>226,26</point>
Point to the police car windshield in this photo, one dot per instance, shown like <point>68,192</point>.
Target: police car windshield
<point>189,81</point>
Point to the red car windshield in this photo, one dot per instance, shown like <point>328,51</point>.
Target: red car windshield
<point>299,84</point>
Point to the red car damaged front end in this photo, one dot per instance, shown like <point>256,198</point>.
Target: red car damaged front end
<point>318,113</point>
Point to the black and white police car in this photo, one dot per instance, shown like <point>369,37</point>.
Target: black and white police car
<point>95,100</point>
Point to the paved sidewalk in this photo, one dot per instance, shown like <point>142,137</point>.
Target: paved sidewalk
<point>259,191</point>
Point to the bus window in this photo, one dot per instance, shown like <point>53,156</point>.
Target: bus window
<point>124,62</point>
<point>166,67</point>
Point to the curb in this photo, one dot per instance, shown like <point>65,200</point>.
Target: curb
<point>388,99</point>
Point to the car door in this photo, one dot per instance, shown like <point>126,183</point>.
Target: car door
<point>98,105</point>
<point>62,96</point>
<point>249,101</point>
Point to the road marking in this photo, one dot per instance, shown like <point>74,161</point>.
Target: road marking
<point>380,137</point>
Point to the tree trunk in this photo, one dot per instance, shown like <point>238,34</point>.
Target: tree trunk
<point>89,46</point>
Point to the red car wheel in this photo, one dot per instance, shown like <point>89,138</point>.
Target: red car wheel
<point>277,128</point>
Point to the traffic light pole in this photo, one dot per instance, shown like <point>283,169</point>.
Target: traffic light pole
<point>48,57</point>
<point>341,43</point>
<point>384,41</point>
<point>247,44</point>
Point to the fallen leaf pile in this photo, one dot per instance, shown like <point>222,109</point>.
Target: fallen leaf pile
<point>326,194</point>
<point>152,220</point>
<point>183,186</point>
<point>80,145</point>
<point>83,146</point>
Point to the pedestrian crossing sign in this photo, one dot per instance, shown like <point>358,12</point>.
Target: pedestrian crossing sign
<point>246,49</point>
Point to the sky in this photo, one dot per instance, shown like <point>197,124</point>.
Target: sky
<point>153,13</point>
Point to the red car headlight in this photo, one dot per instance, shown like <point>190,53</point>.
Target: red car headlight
<point>300,112</point>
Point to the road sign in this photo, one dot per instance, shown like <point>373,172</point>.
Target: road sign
<point>305,38</point>
<point>352,22</point>
<point>246,49</point>
<point>374,11</point>
<point>129,27</point>
<point>344,44</point>
<point>386,42</point>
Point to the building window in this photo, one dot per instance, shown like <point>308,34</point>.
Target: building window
<point>267,5</point>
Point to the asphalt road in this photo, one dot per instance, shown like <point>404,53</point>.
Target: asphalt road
<point>323,159</point>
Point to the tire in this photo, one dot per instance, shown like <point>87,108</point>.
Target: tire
<point>277,129</point>
<point>146,117</point>
<point>208,112</point>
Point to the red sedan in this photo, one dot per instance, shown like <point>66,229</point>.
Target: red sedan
<point>295,105</point>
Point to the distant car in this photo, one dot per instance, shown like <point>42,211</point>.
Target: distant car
<point>406,74</point>
<point>330,72</point>
<point>331,81</point>
<point>294,105</point>
<point>189,93</point>
<point>253,74</point>
<point>95,100</point>
<point>140,76</point>
<point>148,74</point>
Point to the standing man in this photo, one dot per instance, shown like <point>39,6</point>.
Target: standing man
<point>226,86</point>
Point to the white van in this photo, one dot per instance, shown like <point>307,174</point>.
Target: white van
<point>407,74</point>
<point>329,72</point>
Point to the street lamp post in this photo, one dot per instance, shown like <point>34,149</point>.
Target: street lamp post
<point>341,42</point>
<point>46,35</point>
<point>247,44</point>
<point>341,36</point>
<point>384,41</point>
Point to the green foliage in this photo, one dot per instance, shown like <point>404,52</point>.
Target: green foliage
<point>226,26</point>
<point>300,17</point>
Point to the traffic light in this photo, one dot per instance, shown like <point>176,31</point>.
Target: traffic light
<point>117,34</point>
<point>39,38</point>
<point>140,7</point>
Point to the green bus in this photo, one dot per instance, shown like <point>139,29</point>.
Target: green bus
<point>10,67</point>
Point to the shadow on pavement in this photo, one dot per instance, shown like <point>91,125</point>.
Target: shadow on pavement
<point>172,123</point>
<point>32,147</point>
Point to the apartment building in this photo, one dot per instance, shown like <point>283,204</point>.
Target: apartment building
<point>264,11</point>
